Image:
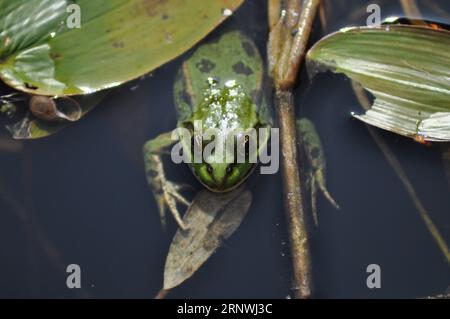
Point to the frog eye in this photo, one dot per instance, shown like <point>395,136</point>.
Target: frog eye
<point>192,144</point>
<point>189,126</point>
<point>245,142</point>
<point>247,145</point>
<point>209,169</point>
<point>229,169</point>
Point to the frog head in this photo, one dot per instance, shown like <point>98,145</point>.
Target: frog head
<point>220,175</point>
<point>230,116</point>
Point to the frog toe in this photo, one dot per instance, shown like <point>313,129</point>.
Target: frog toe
<point>171,198</point>
<point>172,205</point>
<point>330,198</point>
<point>182,187</point>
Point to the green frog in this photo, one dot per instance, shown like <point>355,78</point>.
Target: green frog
<point>221,86</point>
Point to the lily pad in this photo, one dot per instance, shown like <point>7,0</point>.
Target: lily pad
<point>118,40</point>
<point>406,68</point>
<point>211,218</point>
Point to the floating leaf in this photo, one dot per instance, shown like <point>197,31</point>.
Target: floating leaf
<point>119,40</point>
<point>406,68</point>
<point>211,218</point>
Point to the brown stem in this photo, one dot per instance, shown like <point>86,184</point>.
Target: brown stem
<point>300,42</point>
<point>10,146</point>
<point>293,8</point>
<point>274,12</point>
<point>323,17</point>
<point>162,294</point>
<point>410,8</point>
<point>293,195</point>
<point>286,50</point>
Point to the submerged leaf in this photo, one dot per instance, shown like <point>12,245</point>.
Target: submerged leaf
<point>406,68</point>
<point>67,110</point>
<point>211,218</point>
<point>119,40</point>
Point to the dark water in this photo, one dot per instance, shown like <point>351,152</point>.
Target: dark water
<point>86,189</point>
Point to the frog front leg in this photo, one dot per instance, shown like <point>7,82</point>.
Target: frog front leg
<point>317,163</point>
<point>166,192</point>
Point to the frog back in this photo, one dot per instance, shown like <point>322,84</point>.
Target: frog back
<point>231,57</point>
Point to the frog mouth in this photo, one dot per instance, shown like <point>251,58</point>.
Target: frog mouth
<point>221,188</point>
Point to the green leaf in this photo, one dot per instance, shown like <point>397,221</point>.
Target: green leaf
<point>25,23</point>
<point>119,40</point>
<point>406,68</point>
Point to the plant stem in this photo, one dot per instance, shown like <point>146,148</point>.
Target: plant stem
<point>298,49</point>
<point>286,49</point>
<point>10,146</point>
<point>437,9</point>
<point>162,294</point>
<point>293,195</point>
<point>410,8</point>
<point>274,9</point>
<point>323,17</point>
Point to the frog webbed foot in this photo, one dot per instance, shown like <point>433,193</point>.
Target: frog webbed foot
<point>315,182</point>
<point>328,196</point>
<point>166,193</point>
<point>168,196</point>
